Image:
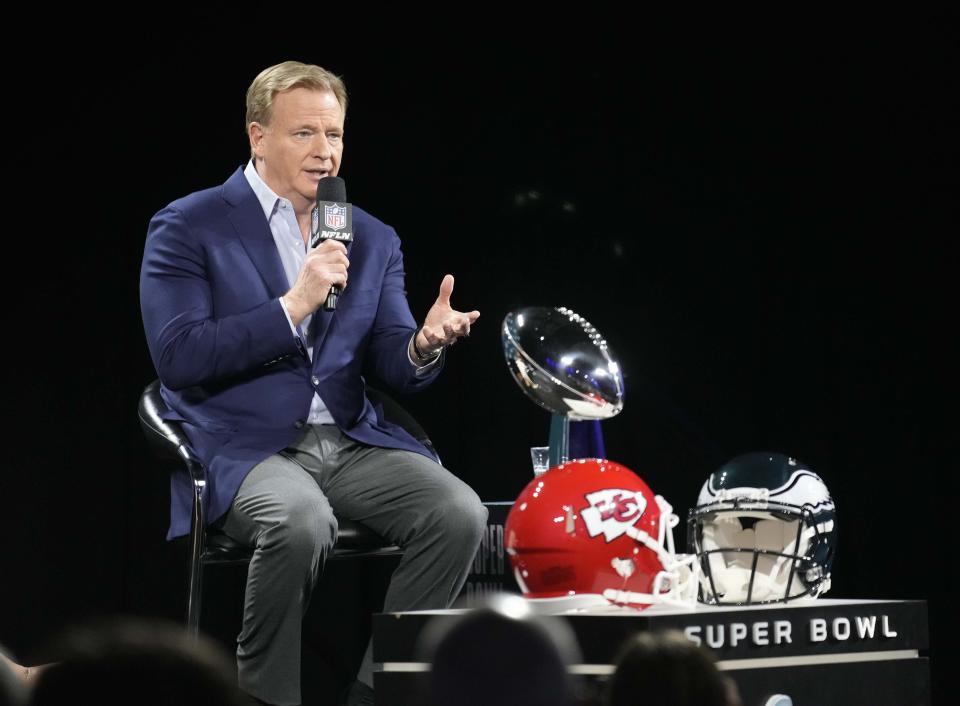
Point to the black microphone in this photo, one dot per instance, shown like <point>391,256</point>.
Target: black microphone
<point>332,220</point>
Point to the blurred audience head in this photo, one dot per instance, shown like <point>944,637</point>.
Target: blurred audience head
<point>666,669</point>
<point>138,662</point>
<point>12,691</point>
<point>499,653</point>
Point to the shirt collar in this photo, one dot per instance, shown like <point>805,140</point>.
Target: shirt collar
<point>265,195</point>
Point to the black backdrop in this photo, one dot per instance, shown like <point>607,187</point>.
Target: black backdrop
<point>759,218</point>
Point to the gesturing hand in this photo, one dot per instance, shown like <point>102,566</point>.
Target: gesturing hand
<point>444,325</point>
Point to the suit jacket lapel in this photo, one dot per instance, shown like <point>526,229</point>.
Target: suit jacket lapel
<point>251,225</point>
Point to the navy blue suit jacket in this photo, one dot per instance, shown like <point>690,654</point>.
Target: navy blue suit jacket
<point>231,369</point>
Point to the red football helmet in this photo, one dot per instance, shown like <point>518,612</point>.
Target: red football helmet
<point>591,527</point>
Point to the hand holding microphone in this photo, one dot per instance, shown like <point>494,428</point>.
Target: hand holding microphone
<point>325,268</point>
<point>324,272</point>
<point>334,222</point>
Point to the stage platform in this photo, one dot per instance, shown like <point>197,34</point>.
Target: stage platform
<point>822,652</point>
<point>819,652</point>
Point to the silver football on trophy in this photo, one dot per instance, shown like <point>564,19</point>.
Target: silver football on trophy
<point>562,363</point>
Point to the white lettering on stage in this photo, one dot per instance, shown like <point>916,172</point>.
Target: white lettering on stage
<point>887,632</point>
<point>716,635</point>
<point>764,633</point>
<point>866,625</point>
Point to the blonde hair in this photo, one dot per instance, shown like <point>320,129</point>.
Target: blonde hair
<point>282,77</point>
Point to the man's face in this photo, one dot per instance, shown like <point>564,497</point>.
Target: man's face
<point>302,144</point>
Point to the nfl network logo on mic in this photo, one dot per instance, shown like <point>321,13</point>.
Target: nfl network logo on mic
<point>334,216</point>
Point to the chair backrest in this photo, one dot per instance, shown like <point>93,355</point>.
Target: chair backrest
<point>393,412</point>
<point>166,438</point>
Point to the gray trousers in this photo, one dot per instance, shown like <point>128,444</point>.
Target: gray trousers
<point>284,509</point>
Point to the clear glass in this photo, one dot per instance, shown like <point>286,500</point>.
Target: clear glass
<point>540,455</point>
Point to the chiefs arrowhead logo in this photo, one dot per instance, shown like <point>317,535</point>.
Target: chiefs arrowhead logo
<point>612,512</point>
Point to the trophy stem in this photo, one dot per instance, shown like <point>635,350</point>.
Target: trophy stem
<point>559,439</point>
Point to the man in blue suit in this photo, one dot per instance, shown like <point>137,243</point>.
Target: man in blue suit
<point>269,385</point>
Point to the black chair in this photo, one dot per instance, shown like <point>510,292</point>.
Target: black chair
<point>211,546</point>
